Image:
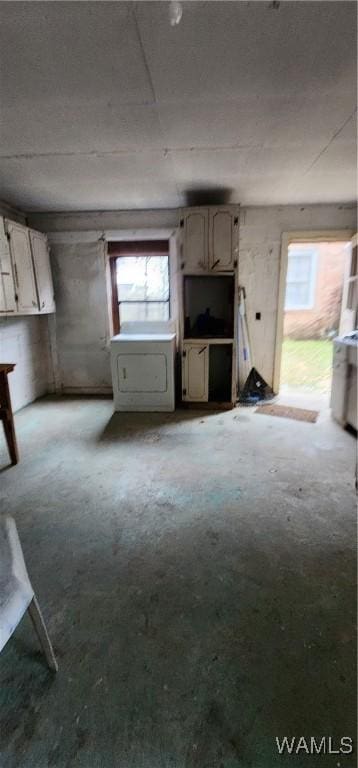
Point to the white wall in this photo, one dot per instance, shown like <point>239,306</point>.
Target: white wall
<point>135,221</point>
<point>82,317</point>
<point>83,314</point>
<point>259,265</point>
<point>80,280</point>
<point>24,341</point>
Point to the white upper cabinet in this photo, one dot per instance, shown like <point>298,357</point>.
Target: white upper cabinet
<point>26,267</point>
<point>209,239</point>
<point>43,276</point>
<point>223,239</point>
<point>196,372</point>
<point>194,239</point>
<point>7,285</point>
<point>24,275</point>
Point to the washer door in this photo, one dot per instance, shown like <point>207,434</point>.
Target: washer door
<point>142,372</point>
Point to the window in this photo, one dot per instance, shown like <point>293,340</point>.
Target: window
<point>143,287</point>
<point>140,281</point>
<point>301,278</point>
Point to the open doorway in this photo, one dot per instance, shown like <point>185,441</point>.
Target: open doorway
<point>312,280</point>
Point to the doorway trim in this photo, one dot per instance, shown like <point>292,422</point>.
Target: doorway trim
<point>299,236</point>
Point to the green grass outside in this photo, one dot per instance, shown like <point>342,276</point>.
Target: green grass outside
<point>307,365</point>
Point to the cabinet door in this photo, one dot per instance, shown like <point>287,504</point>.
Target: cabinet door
<point>7,285</point>
<point>196,373</point>
<point>223,239</point>
<point>351,413</point>
<point>43,274</point>
<point>194,245</point>
<point>339,382</point>
<point>24,274</point>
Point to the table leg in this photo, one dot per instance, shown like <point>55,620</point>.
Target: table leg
<point>8,419</point>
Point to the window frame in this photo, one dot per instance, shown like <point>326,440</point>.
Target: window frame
<point>295,237</point>
<point>116,249</point>
<point>312,283</point>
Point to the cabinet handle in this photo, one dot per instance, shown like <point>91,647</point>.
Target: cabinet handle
<point>124,373</point>
<point>202,350</point>
<point>16,276</point>
<point>4,273</point>
<point>215,263</point>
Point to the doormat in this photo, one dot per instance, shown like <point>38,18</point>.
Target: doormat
<point>299,414</point>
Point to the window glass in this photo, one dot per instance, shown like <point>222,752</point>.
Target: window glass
<point>132,311</point>
<point>143,278</point>
<point>301,278</point>
<point>143,287</point>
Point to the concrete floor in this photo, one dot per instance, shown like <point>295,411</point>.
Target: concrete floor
<point>197,574</point>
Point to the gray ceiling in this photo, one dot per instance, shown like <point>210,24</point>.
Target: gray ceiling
<point>105,105</point>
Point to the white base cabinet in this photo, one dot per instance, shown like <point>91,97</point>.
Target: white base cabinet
<point>26,286</point>
<point>208,371</point>
<point>344,382</point>
<point>195,372</point>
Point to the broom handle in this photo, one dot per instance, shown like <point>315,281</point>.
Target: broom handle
<point>244,326</point>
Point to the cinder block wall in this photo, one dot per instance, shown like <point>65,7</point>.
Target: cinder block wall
<point>24,341</point>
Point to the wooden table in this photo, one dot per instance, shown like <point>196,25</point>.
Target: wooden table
<point>6,414</point>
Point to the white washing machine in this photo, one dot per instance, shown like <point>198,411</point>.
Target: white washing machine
<point>143,371</point>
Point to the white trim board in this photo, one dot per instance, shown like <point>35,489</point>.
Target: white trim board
<point>110,235</point>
